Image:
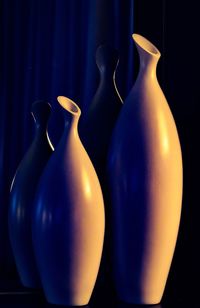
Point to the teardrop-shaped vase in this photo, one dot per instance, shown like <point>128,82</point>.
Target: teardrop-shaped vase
<point>68,222</point>
<point>145,176</point>
<point>22,194</point>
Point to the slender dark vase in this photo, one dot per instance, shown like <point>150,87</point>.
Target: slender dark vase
<point>97,126</point>
<point>22,195</point>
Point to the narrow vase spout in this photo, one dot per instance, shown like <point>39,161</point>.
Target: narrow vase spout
<point>72,113</point>
<point>148,53</point>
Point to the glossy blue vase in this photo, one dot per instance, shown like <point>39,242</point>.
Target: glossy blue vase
<point>22,194</point>
<point>68,219</point>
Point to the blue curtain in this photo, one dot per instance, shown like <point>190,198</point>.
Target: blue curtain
<point>48,49</point>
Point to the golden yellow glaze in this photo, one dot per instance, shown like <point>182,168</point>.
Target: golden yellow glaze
<point>165,174</point>
<point>145,176</point>
<point>69,221</point>
<point>88,217</point>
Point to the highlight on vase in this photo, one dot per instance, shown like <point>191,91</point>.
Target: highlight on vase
<point>145,181</point>
<point>68,220</point>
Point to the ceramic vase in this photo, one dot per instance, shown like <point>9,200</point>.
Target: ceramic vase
<point>145,180</point>
<point>68,222</point>
<point>22,194</point>
<point>98,123</point>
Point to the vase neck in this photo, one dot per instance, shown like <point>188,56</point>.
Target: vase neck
<point>148,65</point>
<point>40,132</point>
<point>107,59</point>
<point>71,115</point>
<point>71,126</point>
<point>148,54</point>
<point>107,77</point>
<point>41,137</point>
<point>41,111</point>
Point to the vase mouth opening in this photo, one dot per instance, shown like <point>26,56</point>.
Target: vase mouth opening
<point>146,45</point>
<point>69,105</point>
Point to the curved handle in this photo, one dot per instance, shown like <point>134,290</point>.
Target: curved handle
<point>107,58</point>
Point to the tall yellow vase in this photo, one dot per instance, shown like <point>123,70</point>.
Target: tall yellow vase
<point>145,176</point>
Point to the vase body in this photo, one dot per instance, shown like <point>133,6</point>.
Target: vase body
<point>22,193</point>
<point>68,223</point>
<point>145,180</point>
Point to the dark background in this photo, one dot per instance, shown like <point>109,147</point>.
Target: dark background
<point>48,49</point>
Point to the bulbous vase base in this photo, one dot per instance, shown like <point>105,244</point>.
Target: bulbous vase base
<point>68,300</point>
<point>137,299</point>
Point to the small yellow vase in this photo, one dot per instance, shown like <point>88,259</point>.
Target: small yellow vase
<point>145,176</point>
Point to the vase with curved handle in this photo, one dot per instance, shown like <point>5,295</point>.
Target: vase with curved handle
<point>22,194</point>
<point>145,176</point>
<point>68,221</point>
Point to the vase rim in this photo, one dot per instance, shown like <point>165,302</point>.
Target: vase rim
<point>69,105</point>
<point>146,45</point>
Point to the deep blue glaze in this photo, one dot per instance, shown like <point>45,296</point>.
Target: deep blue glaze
<point>98,124</point>
<point>22,195</point>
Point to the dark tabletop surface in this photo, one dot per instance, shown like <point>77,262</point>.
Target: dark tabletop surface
<point>12,294</point>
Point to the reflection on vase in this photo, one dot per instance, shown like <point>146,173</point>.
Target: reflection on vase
<point>145,176</point>
<point>22,195</point>
<point>68,221</point>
